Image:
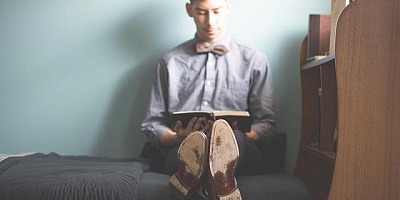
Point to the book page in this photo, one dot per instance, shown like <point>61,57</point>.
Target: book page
<point>231,113</point>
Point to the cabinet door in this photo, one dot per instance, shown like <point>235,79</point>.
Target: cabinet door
<point>367,63</point>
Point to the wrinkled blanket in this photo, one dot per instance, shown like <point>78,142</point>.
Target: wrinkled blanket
<point>51,176</point>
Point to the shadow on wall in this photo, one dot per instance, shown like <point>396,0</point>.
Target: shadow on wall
<point>142,37</point>
<point>287,85</point>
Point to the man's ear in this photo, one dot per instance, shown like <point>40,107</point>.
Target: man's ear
<point>189,9</point>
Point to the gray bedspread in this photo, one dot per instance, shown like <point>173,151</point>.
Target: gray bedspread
<point>277,186</point>
<point>54,177</point>
<point>51,176</point>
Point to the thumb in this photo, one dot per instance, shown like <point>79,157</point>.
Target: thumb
<point>178,126</point>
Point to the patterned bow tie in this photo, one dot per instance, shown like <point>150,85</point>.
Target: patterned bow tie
<point>204,47</point>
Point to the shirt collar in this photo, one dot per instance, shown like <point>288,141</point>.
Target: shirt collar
<point>226,40</point>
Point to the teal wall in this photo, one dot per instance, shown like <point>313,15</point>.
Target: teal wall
<point>75,75</point>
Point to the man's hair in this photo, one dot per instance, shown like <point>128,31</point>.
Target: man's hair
<point>191,1</point>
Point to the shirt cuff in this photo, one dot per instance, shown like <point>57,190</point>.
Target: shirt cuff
<point>263,130</point>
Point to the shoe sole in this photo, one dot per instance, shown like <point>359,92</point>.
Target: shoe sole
<point>223,159</point>
<point>192,155</point>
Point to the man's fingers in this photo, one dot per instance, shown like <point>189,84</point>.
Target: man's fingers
<point>198,124</point>
<point>178,126</point>
<point>252,136</point>
<point>206,128</point>
<point>178,129</point>
<point>208,125</point>
<point>234,125</point>
<point>191,123</point>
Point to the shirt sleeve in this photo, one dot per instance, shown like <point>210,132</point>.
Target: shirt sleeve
<point>157,118</point>
<point>260,98</point>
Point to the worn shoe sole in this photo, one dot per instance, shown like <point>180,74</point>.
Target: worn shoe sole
<point>192,158</point>
<point>223,160</point>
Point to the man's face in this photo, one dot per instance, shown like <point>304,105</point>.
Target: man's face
<point>210,17</point>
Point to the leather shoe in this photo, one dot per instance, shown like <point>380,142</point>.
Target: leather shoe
<point>192,162</point>
<point>223,159</point>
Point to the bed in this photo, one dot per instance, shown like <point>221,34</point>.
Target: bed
<point>52,176</point>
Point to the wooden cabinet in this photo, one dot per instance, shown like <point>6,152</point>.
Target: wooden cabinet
<point>357,91</point>
<point>367,162</point>
<point>316,158</point>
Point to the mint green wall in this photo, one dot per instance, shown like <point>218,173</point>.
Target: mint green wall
<point>75,75</point>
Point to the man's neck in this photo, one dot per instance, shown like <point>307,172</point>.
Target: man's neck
<point>212,41</point>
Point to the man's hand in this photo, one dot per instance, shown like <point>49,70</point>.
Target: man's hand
<point>252,136</point>
<point>195,124</point>
<point>176,136</point>
<point>234,125</point>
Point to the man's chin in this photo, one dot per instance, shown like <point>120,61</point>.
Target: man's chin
<point>212,37</point>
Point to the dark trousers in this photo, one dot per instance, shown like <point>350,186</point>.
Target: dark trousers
<point>249,154</point>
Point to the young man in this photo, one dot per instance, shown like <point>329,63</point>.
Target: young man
<point>212,71</point>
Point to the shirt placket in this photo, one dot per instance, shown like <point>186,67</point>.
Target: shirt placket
<point>209,82</point>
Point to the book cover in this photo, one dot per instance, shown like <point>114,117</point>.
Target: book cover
<point>241,117</point>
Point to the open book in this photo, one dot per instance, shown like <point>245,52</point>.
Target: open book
<point>241,117</point>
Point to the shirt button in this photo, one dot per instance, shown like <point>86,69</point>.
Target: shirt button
<point>208,82</point>
<point>210,64</point>
<point>205,103</point>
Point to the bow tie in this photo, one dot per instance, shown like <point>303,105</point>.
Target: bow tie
<point>204,47</point>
